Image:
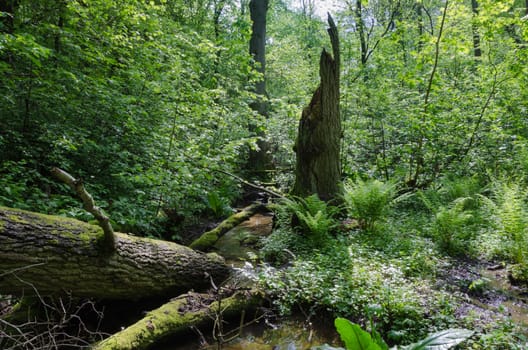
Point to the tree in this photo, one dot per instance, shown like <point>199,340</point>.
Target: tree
<point>476,36</point>
<point>259,160</point>
<point>317,147</point>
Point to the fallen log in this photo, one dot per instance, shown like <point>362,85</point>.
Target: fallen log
<point>209,238</point>
<point>53,255</point>
<point>177,317</point>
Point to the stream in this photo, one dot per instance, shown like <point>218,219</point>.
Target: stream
<point>289,334</point>
<point>286,334</point>
<point>485,291</point>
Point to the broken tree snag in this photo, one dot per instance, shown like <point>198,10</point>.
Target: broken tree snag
<point>55,256</point>
<point>209,238</point>
<point>89,206</point>
<point>317,147</point>
<point>177,317</point>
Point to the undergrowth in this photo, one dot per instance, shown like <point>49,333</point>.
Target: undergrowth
<point>389,274</point>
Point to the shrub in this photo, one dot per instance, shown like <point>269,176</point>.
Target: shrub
<point>511,212</point>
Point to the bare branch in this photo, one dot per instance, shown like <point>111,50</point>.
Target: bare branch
<point>89,205</point>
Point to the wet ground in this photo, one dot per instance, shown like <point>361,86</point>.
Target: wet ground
<point>290,334</point>
<point>240,244</point>
<point>486,292</point>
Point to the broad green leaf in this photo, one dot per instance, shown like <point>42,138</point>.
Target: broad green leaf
<point>441,340</point>
<point>353,336</point>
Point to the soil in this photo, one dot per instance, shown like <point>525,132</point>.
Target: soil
<point>486,292</point>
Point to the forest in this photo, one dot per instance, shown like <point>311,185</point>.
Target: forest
<point>264,174</point>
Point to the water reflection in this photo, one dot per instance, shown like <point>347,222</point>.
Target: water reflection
<point>291,334</point>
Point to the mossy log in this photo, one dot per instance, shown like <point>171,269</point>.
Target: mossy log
<point>177,317</point>
<point>209,238</point>
<point>54,255</point>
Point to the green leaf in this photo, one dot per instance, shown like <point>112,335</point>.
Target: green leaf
<point>376,337</point>
<point>353,336</point>
<point>441,340</point>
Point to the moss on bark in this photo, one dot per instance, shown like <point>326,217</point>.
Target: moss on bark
<point>209,238</point>
<point>176,317</point>
<point>55,255</point>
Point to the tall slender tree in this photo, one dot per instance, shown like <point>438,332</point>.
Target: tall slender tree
<point>476,36</point>
<point>259,160</point>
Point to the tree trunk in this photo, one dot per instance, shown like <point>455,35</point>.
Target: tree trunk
<point>358,13</point>
<point>54,255</point>
<point>177,317</point>
<point>259,160</point>
<point>257,48</point>
<point>318,142</point>
<point>476,36</point>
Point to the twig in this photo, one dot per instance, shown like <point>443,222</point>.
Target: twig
<point>21,269</point>
<point>89,205</point>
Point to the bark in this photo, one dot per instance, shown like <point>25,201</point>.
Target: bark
<point>257,46</point>
<point>476,36</point>
<point>360,25</point>
<point>259,160</point>
<point>177,317</point>
<point>209,238</point>
<point>54,255</point>
<point>318,168</point>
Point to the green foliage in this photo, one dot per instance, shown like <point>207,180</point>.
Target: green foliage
<point>450,227</point>
<point>507,234</point>
<point>356,338</point>
<point>129,96</point>
<point>511,214</point>
<point>348,280</point>
<point>368,201</point>
<point>302,225</point>
<point>218,205</point>
<point>316,217</point>
<point>442,340</point>
<point>278,247</point>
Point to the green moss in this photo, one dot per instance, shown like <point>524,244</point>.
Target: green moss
<point>66,227</point>
<point>206,241</point>
<point>16,218</point>
<point>168,320</point>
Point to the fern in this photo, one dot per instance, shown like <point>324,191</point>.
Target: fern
<point>368,201</point>
<point>316,217</point>
<point>451,227</point>
<point>511,214</point>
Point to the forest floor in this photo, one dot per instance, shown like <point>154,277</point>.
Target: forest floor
<point>483,299</point>
<point>485,292</point>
